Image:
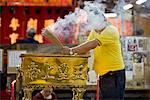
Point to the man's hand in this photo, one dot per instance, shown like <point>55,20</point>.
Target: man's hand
<point>65,50</point>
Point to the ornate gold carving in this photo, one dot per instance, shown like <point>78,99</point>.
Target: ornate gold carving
<point>78,73</point>
<point>78,93</point>
<point>33,71</point>
<point>63,71</point>
<point>49,71</point>
<point>44,71</point>
<point>28,93</point>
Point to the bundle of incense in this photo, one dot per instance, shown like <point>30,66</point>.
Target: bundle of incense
<point>52,37</point>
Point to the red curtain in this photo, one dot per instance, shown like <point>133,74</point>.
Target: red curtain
<point>23,14</point>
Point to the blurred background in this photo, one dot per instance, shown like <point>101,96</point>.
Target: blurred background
<point>131,17</point>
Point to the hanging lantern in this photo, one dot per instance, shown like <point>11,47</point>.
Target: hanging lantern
<point>0,10</point>
<point>26,10</point>
<point>49,10</point>
<point>12,10</point>
<point>58,10</point>
<point>37,10</point>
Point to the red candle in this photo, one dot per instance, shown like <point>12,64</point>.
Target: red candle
<point>13,90</point>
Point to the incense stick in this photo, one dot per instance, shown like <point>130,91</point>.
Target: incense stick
<point>52,37</point>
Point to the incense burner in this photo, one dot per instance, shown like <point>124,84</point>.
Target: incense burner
<point>47,71</point>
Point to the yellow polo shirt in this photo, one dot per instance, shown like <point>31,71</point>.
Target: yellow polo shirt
<point>107,56</point>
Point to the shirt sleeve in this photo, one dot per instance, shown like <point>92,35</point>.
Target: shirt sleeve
<point>91,36</point>
<point>107,36</point>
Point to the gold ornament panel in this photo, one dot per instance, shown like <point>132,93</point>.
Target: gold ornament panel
<point>54,69</point>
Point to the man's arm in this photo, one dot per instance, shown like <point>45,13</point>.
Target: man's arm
<point>83,48</point>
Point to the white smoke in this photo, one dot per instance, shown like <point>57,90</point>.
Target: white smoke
<point>96,18</point>
<point>88,18</point>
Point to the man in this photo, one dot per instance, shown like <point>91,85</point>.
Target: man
<point>30,37</point>
<point>108,61</point>
<point>28,43</point>
<point>45,94</point>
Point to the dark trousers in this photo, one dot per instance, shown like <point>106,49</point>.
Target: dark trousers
<point>112,85</point>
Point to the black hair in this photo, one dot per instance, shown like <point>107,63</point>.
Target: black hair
<point>31,32</point>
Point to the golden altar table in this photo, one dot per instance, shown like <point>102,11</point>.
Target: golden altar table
<point>49,70</point>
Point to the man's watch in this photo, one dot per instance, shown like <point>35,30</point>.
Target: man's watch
<point>71,51</point>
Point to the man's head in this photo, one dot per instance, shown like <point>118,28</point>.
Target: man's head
<point>96,19</point>
<point>80,3</point>
<point>47,93</point>
<point>31,32</point>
